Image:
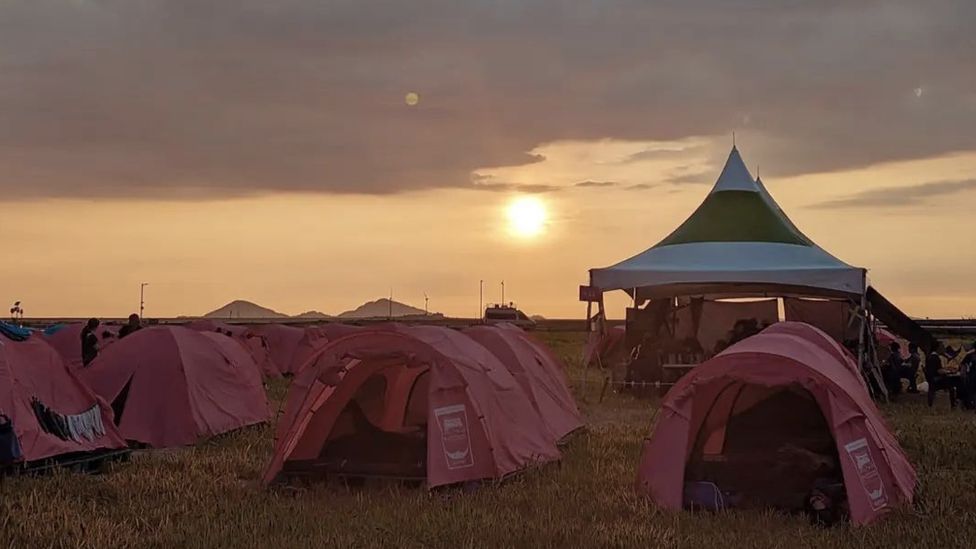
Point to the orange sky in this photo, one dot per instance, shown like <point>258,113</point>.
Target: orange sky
<point>295,252</point>
<point>312,154</point>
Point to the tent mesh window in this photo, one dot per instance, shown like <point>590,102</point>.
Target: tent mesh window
<point>768,447</point>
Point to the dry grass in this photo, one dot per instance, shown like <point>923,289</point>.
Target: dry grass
<point>208,496</point>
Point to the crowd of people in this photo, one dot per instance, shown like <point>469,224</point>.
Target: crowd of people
<point>91,343</point>
<point>959,382</point>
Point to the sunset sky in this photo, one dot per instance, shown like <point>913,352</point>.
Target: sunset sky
<point>315,154</point>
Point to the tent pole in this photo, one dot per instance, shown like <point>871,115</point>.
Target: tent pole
<point>860,343</point>
<point>873,350</point>
<point>869,371</point>
<point>589,335</point>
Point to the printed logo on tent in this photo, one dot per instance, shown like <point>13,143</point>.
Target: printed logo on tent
<point>867,472</point>
<point>453,422</point>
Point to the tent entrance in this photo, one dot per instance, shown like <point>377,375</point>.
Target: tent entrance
<point>382,429</point>
<point>768,446</point>
<point>118,405</point>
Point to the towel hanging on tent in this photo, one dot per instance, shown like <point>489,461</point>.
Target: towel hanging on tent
<point>82,427</point>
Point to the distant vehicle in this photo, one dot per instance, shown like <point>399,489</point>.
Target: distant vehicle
<point>507,313</point>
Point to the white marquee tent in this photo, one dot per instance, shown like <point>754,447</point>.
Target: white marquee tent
<point>740,243</point>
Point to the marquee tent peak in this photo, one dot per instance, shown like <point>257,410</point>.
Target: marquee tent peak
<point>735,175</point>
<point>738,236</point>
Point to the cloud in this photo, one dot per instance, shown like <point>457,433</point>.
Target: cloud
<point>899,197</point>
<point>514,187</point>
<point>654,154</point>
<point>596,184</point>
<point>702,177</point>
<point>642,186</point>
<point>171,98</point>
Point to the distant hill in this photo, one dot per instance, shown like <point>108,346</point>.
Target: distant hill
<point>312,314</point>
<point>243,309</point>
<point>381,309</point>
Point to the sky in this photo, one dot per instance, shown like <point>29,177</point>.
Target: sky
<point>318,154</point>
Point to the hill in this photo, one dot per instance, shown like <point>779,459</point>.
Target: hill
<point>312,314</point>
<point>244,309</point>
<point>381,308</point>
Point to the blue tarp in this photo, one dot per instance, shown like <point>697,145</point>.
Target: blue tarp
<point>51,330</point>
<point>14,332</point>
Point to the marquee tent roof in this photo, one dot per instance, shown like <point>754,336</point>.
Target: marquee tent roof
<point>738,241</point>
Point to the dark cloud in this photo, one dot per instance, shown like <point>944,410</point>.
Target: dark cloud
<point>899,197</point>
<point>596,184</point>
<point>184,98</point>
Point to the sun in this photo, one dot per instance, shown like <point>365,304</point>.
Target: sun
<point>527,216</point>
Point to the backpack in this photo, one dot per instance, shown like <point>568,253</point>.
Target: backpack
<point>703,495</point>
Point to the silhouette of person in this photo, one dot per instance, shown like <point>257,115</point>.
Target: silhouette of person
<point>134,325</point>
<point>89,342</point>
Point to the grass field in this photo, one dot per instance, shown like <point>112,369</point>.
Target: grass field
<point>208,496</point>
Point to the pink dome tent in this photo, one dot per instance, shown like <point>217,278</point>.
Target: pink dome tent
<point>539,374</point>
<point>172,386</point>
<point>32,369</point>
<point>425,403</point>
<point>211,325</point>
<point>884,339</point>
<point>67,341</point>
<point>282,342</point>
<point>737,419</point>
<point>821,339</point>
<point>601,350</point>
<point>244,336</point>
<point>315,338</point>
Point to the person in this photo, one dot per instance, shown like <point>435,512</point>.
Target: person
<point>134,325</point>
<point>89,342</point>
<point>742,329</point>
<point>967,370</point>
<point>937,377</point>
<point>892,370</point>
<point>910,368</point>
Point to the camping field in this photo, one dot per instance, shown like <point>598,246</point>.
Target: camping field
<point>209,496</point>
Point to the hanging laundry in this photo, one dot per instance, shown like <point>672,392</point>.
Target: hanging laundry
<point>82,427</point>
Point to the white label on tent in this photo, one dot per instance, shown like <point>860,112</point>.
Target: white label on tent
<point>867,472</point>
<point>453,423</point>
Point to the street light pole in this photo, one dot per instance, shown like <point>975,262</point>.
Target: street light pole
<point>503,292</point>
<point>142,298</point>
<point>481,300</point>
